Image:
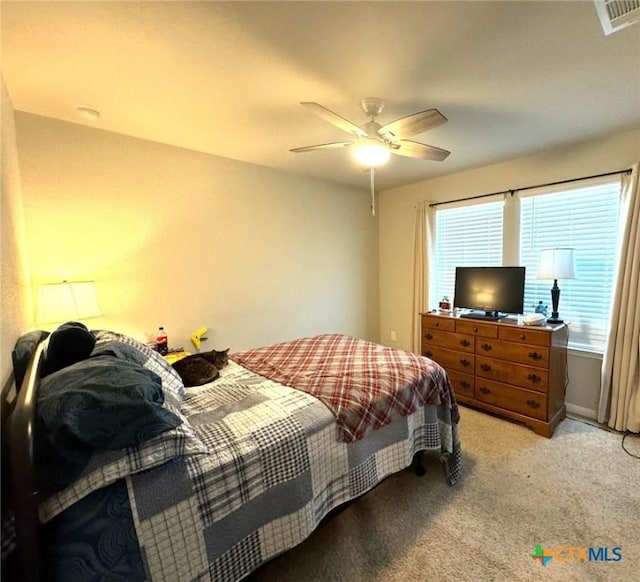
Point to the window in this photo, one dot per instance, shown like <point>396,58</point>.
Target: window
<point>584,218</point>
<point>581,215</point>
<point>465,236</point>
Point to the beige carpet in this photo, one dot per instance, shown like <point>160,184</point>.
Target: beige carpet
<point>518,489</point>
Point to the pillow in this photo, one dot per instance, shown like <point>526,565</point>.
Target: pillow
<point>101,403</point>
<point>22,352</point>
<point>70,343</point>
<point>106,467</point>
<point>172,385</point>
<point>119,350</point>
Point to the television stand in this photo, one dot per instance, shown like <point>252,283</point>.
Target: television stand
<point>486,315</point>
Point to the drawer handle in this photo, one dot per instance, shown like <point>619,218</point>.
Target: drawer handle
<point>465,384</point>
<point>437,324</point>
<point>428,354</point>
<point>523,337</point>
<point>475,330</point>
<point>485,390</point>
<point>428,336</point>
<point>534,378</point>
<point>534,404</point>
<point>535,356</point>
<point>465,362</point>
<point>465,343</point>
<point>486,347</point>
<point>485,367</point>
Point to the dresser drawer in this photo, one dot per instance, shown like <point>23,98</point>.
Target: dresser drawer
<point>524,335</point>
<point>518,353</point>
<point>449,359</point>
<point>441,322</point>
<point>462,383</point>
<point>449,339</point>
<point>476,328</point>
<point>527,402</point>
<point>518,374</point>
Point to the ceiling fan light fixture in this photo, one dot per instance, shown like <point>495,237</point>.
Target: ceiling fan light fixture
<point>371,153</point>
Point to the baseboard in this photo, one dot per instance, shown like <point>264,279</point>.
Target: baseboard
<point>581,411</point>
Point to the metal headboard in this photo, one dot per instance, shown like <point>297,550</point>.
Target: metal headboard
<point>24,494</point>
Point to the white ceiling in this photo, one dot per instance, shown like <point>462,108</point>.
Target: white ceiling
<point>226,78</point>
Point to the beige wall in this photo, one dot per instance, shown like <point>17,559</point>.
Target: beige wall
<point>14,282</point>
<point>182,239</point>
<point>397,208</point>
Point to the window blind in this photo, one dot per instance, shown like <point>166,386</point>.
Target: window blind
<point>465,236</point>
<point>584,218</point>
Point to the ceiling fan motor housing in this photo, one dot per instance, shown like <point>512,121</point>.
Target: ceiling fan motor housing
<point>372,128</point>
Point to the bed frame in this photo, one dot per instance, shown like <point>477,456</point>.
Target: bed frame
<point>19,413</point>
<point>24,496</point>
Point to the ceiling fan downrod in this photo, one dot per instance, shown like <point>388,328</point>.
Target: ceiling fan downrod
<point>373,193</point>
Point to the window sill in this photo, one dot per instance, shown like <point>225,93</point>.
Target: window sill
<point>583,352</point>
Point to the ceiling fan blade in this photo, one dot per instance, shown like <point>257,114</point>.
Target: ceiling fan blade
<point>413,124</point>
<point>334,119</point>
<point>324,146</point>
<point>413,149</point>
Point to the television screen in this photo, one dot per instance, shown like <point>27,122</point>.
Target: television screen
<point>491,292</point>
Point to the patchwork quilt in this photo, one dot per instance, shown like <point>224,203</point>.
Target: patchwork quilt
<point>273,471</point>
<point>249,474</point>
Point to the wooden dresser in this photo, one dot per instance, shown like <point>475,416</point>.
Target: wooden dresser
<point>515,371</point>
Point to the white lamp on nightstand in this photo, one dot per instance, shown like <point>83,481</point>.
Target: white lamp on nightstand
<point>556,263</point>
<point>60,302</point>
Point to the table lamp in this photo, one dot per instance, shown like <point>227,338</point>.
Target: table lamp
<point>61,302</point>
<point>556,263</point>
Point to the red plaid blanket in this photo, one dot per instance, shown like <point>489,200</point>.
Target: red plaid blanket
<point>364,384</point>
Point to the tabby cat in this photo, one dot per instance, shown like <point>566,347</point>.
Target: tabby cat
<point>201,368</point>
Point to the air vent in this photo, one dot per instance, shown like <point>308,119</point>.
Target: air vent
<point>617,14</point>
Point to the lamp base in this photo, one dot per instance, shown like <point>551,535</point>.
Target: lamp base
<point>554,320</point>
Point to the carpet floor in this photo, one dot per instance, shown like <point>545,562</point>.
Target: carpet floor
<point>579,489</point>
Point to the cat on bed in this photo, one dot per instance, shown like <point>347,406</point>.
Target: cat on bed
<point>201,368</point>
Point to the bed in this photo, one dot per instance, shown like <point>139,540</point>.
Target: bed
<point>258,458</point>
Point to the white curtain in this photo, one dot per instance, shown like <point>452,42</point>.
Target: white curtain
<point>423,233</point>
<point>620,388</point>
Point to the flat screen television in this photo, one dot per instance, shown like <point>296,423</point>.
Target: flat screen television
<point>490,292</point>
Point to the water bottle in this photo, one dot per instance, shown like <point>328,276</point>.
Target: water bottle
<point>162,343</point>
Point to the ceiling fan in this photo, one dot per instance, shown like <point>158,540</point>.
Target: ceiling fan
<point>373,143</point>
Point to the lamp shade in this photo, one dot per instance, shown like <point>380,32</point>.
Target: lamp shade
<point>59,302</point>
<point>557,263</point>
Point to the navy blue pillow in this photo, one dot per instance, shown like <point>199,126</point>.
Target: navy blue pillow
<point>101,403</point>
<point>119,350</point>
